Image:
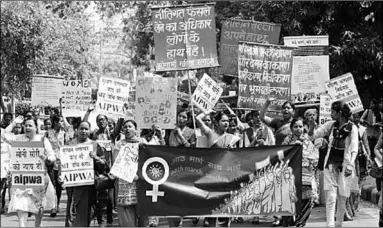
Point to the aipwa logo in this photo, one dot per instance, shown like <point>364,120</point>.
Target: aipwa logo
<point>155,171</point>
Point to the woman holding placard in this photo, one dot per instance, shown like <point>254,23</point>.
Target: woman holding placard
<point>31,199</point>
<point>82,199</point>
<point>127,198</point>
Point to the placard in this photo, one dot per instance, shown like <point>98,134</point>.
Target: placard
<point>26,166</point>
<point>77,95</point>
<point>184,37</point>
<point>344,88</point>
<point>156,101</point>
<point>112,95</point>
<point>126,164</point>
<point>311,67</point>
<point>234,31</point>
<point>77,165</point>
<point>324,109</point>
<point>5,150</point>
<point>264,70</point>
<point>46,90</point>
<point>207,93</point>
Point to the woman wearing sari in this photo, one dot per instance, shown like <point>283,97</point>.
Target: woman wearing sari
<point>29,199</point>
<point>82,199</point>
<point>310,158</point>
<point>58,138</point>
<point>218,138</point>
<point>281,126</point>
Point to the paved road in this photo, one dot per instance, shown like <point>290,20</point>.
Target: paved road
<point>366,217</point>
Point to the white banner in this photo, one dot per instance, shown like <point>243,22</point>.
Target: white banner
<point>112,95</point>
<point>77,165</point>
<point>26,166</point>
<point>156,102</point>
<point>46,90</point>
<point>311,67</point>
<point>77,95</point>
<point>344,88</point>
<point>126,164</point>
<point>206,94</point>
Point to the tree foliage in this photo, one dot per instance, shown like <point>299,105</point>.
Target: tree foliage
<point>355,31</point>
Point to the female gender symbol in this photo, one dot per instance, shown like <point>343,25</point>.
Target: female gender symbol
<point>158,170</point>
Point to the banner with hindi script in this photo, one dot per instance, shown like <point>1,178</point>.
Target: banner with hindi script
<point>113,97</point>
<point>184,37</point>
<point>220,182</point>
<point>344,88</point>
<point>156,102</point>
<point>207,93</point>
<point>324,108</point>
<point>26,166</point>
<point>311,67</point>
<point>263,71</point>
<point>77,95</point>
<point>77,165</point>
<point>234,31</point>
<point>46,90</point>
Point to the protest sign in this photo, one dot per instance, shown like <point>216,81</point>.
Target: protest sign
<point>26,166</point>
<point>5,150</point>
<point>311,67</point>
<point>344,88</point>
<point>130,108</point>
<point>126,163</point>
<point>234,31</point>
<point>242,181</point>
<point>112,95</point>
<point>324,109</point>
<point>264,70</point>
<point>156,100</point>
<point>77,165</point>
<point>77,95</point>
<point>184,37</point>
<point>207,93</point>
<point>46,90</point>
<point>105,144</point>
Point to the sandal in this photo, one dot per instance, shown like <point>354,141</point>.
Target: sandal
<point>53,212</point>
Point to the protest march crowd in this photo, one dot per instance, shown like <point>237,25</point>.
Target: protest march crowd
<point>57,153</point>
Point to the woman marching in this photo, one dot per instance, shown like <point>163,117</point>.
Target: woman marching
<point>82,199</point>
<point>339,169</point>
<point>127,203</point>
<point>309,163</point>
<point>218,138</point>
<point>31,200</point>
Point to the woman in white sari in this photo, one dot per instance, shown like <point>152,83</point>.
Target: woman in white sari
<point>30,199</point>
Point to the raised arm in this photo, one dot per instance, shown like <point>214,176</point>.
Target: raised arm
<point>90,109</point>
<point>117,129</point>
<point>262,115</point>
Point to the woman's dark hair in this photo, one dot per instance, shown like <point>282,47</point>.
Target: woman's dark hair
<point>131,121</point>
<point>55,119</point>
<point>219,116</point>
<point>84,121</point>
<point>114,123</point>
<point>99,115</point>
<point>45,121</point>
<point>290,103</point>
<point>294,120</point>
<point>187,113</point>
<point>376,110</point>
<point>251,115</point>
<point>342,108</point>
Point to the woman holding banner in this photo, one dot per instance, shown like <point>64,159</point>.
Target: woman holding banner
<point>310,158</point>
<point>31,199</point>
<point>82,199</point>
<point>281,126</point>
<point>218,138</point>
<point>339,168</point>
